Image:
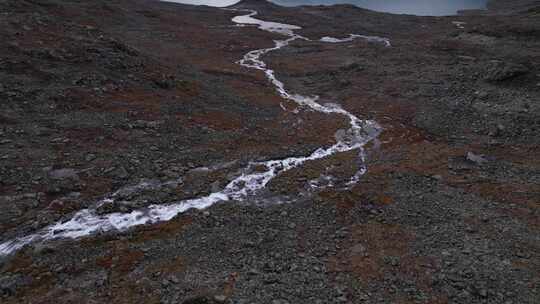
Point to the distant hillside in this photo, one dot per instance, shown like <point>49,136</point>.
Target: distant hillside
<point>512,5</point>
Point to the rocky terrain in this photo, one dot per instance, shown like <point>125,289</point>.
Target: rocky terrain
<point>512,6</point>
<point>144,99</point>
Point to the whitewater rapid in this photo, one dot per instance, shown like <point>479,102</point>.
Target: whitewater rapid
<point>253,178</point>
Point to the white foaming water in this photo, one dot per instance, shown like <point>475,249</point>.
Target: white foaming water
<point>351,37</point>
<point>274,27</point>
<point>459,24</point>
<point>87,221</point>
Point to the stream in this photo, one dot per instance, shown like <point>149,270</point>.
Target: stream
<point>86,222</point>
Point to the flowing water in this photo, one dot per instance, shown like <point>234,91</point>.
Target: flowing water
<point>254,178</point>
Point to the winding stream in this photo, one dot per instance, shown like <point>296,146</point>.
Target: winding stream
<point>87,221</point>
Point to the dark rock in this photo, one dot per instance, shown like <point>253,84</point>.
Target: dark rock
<point>62,180</point>
<point>198,300</point>
<point>500,71</point>
<point>9,284</point>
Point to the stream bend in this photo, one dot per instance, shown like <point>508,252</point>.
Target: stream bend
<point>360,132</point>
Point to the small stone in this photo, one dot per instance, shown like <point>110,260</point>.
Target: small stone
<point>522,254</point>
<point>478,159</point>
<point>174,279</point>
<point>482,95</point>
<point>9,284</point>
<point>43,248</point>
<point>470,229</point>
<point>62,180</point>
<point>358,249</point>
<point>63,174</point>
<point>215,187</point>
<point>220,298</point>
<point>253,271</point>
<point>499,131</point>
<point>483,293</point>
<point>90,157</point>
<point>121,172</point>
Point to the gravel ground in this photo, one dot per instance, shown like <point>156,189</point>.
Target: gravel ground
<point>101,96</point>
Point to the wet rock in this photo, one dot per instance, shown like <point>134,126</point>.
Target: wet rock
<point>340,135</point>
<point>118,206</point>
